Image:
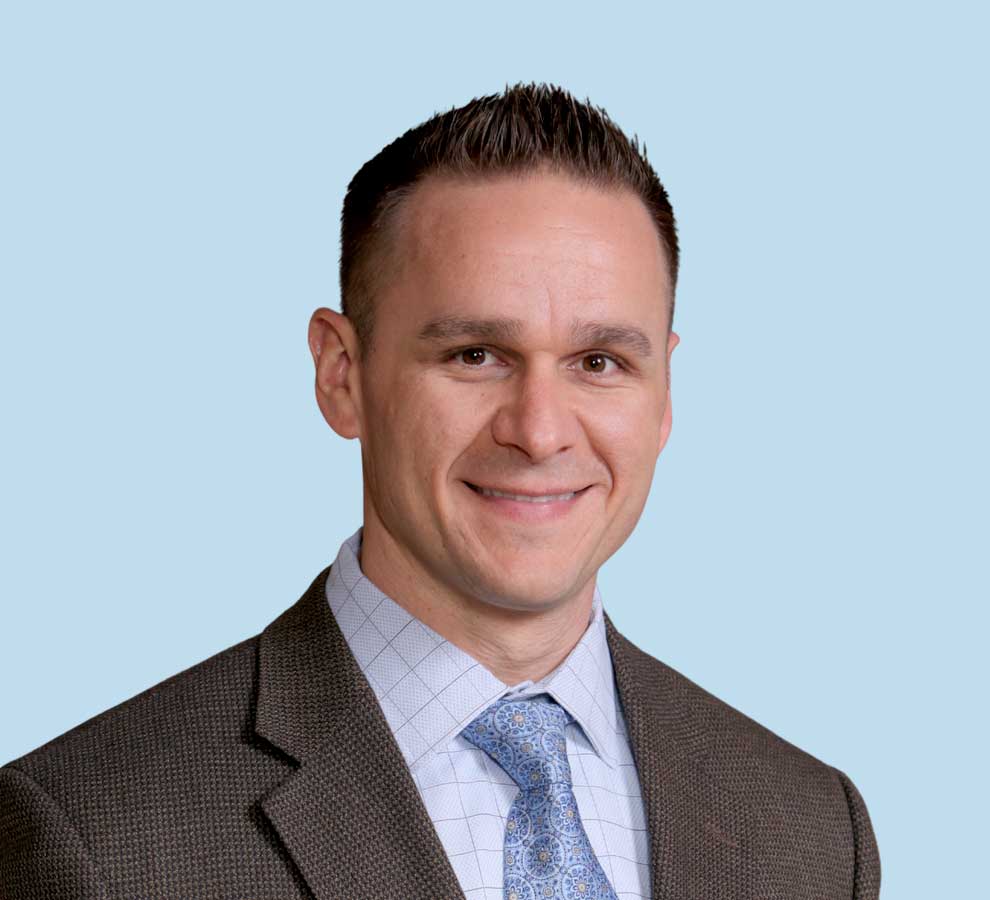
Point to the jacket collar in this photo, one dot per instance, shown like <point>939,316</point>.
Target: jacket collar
<point>350,814</point>
<point>702,833</point>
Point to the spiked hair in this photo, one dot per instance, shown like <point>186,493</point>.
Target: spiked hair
<point>524,129</point>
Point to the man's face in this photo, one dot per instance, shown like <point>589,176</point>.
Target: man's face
<point>516,397</point>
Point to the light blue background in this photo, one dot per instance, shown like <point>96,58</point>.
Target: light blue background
<point>814,548</point>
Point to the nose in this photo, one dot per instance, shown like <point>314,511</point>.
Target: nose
<point>536,417</point>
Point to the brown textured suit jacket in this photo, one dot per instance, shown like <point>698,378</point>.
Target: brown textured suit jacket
<point>268,771</point>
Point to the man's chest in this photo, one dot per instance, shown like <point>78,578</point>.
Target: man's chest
<point>468,797</point>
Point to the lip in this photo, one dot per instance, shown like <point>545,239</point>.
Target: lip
<point>523,492</point>
<point>558,502</point>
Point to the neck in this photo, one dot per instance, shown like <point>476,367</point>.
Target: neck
<point>514,645</point>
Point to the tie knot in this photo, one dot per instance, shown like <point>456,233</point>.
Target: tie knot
<point>526,738</point>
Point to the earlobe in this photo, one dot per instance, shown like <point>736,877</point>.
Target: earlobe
<point>333,345</point>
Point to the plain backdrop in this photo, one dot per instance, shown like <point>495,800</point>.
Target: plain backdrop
<point>814,549</point>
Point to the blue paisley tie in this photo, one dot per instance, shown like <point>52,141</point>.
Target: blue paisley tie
<point>547,851</point>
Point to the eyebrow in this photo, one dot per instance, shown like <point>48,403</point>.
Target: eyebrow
<point>588,334</point>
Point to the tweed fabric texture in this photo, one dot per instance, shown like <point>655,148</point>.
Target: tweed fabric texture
<point>269,772</point>
<point>430,689</point>
<point>547,851</point>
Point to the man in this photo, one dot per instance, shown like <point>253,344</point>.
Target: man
<point>447,711</point>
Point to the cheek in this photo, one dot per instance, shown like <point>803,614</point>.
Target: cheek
<point>626,432</point>
<point>429,425</point>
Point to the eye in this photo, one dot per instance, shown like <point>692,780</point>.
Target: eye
<point>598,363</point>
<point>472,356</point>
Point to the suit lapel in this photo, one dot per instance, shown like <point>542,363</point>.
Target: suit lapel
<point>354,824</point>
<point>701,833</point>
<point>350,815</point>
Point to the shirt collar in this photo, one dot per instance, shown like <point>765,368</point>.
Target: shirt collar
<point>429,689</point>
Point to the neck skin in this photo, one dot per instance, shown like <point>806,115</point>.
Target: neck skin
<point>514,645</point>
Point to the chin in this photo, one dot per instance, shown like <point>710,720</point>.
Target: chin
<point>542,590</point>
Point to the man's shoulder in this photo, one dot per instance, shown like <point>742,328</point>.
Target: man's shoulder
<point>803,814</point>
<point>178,730</point>
<point>710,731</point>
<point>200,706</point>
<point>176,773</point>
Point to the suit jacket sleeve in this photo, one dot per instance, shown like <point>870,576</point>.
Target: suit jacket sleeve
<point>42,856</point>
<point>866,877</point>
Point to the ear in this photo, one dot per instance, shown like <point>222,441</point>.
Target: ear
<point>672,341</point>
<point>334,345</point>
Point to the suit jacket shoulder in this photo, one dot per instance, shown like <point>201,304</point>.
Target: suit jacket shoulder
<point>809,834</point>
<point>157,792</point>
<point>267,771</point>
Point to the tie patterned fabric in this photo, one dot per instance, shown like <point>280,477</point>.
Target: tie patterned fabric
<point>547,851</point>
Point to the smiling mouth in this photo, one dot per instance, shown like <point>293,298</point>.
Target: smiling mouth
<point>526,498</point>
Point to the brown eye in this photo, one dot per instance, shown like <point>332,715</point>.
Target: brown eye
<point>473,356</point>
<point>595,362</point>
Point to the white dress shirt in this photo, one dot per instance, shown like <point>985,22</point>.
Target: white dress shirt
<point>429,690</point>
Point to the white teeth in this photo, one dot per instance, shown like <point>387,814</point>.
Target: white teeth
<point>546,498</point>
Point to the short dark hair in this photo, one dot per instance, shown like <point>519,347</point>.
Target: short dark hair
<point>526,128</point>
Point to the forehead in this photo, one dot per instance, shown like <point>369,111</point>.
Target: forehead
<point>534,247</point>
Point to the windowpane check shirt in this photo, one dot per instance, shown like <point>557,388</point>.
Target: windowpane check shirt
<point>429,690</point>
